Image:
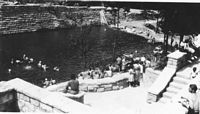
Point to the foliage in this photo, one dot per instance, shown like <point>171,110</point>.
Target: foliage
<point>181,20</point>
<point>161,63</point>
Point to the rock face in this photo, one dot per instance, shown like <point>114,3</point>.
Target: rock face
<point>26,18</point>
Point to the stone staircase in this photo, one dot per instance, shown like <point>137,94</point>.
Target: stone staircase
<point>178,82</point>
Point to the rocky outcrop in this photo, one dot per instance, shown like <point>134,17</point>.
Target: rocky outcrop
<point>29,18</point>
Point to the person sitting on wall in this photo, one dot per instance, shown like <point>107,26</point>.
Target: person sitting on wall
<point>96,75</point>
<point>108,73</point>
<point>72,86</point>
<point>90,73</point>
<point>192,43</point>
<point>80,76</point>
<point>189,49</point>
<point>184,47</point>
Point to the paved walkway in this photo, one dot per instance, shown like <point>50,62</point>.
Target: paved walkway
<point>128,101</point>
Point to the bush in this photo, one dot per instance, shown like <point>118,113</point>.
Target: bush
<point>161,63</point>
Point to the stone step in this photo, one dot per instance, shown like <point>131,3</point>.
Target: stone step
<point>184,73</point>
<point>181,80</point>
<point>164,100</point>
<point>171,89</point>
<point>168,95</point>
<point>177,85</point>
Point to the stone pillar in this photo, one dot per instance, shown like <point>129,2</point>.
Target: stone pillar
<point>176,60</point>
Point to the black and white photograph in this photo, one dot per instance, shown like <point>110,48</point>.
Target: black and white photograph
<point>100,56</point>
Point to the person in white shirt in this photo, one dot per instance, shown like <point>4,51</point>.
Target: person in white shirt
<point>131,77</point>
<point>191,100</point>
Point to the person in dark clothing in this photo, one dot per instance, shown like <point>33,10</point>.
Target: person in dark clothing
<point>73,85</point>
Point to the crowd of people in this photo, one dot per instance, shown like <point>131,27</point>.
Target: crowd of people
<point>192,50</point>
<point>135,66</point>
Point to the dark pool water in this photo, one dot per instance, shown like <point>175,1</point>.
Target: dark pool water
<point>72,50</point>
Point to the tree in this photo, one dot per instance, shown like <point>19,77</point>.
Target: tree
<point>179,20</point>
<point>182,20</point>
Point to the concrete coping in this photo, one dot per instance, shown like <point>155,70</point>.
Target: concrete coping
<point>52,99</point>
<point>162,81</point>
<point>176,55</point>
<point>107,80</point>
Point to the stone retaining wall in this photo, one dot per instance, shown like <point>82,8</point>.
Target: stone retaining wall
<point>27,97</point>
<point>24,18</point>
<point>118,81</point>
<point>30,104</point>
<point>104,87</point>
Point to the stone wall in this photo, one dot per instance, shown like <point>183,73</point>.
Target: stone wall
<point>120,84</point>
<point>118,81</point>
<point>30,104</point>
<point>27,97</point>
<point>25,18</point>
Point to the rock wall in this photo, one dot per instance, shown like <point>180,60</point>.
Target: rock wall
<point>24,18</point>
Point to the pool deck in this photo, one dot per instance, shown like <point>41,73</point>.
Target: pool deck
<point>130,100</point>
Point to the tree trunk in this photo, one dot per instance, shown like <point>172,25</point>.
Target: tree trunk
<point>156,24</point>
<point>181,38</point>
<point>167,38</point>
